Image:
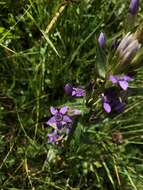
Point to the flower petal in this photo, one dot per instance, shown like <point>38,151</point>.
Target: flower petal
<point>53,110</point>
<point>67,119</point>
<point>123,85</point>
<point>73,92</point>
<point>127,78</point>
<point>63,110</point>
<point>53,137</point>
<point>78,92</point>
<point>120,107</point>
<point>113,79</point>
<point>124,43</point>
<point>51,121</point>
<point>76,112</point>
<point>107,107</point>
<point>59,125</point>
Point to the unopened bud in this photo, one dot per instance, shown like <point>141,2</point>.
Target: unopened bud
<point>101,40</point>
<point>134,6</point>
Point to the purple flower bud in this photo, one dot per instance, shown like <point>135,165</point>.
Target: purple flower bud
<point>68,89</point>
<point>134,6</point>
<point>101,40</point>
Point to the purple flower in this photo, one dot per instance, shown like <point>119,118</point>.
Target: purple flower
<point>111,101</point>
<point>122,81</point>
<point>59,118</point>
<point>73,91</point>
<point>101,40</point>
<point>78,92</point>
<point>134,6</point>
<point>53,137</point>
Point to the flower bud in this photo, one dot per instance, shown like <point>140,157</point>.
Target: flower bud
<point>134,6</point>
<point>68,89</point>
<point>101,40</point>
<point>128,48</point>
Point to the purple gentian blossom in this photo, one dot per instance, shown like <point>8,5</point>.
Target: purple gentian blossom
<point>101,40</point>
<point>73,91</point>
<point>59,118</point>
<point>53,137</point>
<point>111,102</point>
<point>78,92</point>
<point>134,6</point>
<point>122,81</point>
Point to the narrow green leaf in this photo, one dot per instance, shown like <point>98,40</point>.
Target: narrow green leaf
<point>109,174</point>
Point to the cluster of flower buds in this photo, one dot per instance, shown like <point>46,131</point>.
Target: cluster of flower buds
<point>127,48</point>
<point>126,51</point>
<point>127,57</point>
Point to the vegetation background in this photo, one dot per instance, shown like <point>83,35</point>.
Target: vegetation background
<point>34,67</point>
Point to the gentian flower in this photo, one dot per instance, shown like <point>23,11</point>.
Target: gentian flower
<point>73,91</point>
<point>134,6</point>
<point>53,137</point>
<point>122,81</point>
<point>128,48</point>
<point>111,102</point>
<point>101,40</point>
<point>78,92</point>
<point>59,118</point>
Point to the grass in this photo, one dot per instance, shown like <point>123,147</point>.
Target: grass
<point>44,45</point>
